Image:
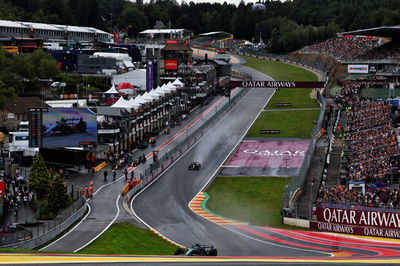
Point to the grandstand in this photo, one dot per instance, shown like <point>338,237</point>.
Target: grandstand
<point>52,32</point>
<point>367,130</point>
<point>215,36</point>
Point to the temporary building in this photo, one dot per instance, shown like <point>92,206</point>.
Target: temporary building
<point>122,103</point>
<point>178,83</point>
<point>134,104</point>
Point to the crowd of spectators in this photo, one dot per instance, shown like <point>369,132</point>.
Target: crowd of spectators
<point>382,197</point>
<point>108,124</point>
<point>371,153</point>
<point>389,51</point>
<point>16,191</point>
<point>370,137</point>
<point>343,47</point>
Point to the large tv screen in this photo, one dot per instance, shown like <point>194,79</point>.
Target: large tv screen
<point>69,127</point>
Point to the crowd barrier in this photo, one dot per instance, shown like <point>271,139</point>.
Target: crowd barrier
<point>297,181</point>
<point>46,230</point>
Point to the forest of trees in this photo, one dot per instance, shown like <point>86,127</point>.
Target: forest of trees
<point>285,26</point>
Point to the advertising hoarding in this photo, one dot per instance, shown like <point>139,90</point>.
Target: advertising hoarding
<point>69,127</point>
<point>276,84</point>
<point>358,220</point>
<point>171,64</point>
<point>358,69</point>
<point>171,41</point>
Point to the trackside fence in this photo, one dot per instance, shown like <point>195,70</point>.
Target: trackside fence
<point>45,231</point>
<point>192,137</point>
<point>297,181</point>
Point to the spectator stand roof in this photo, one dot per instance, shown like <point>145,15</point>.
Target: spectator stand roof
<point>167,32</point>
<point>384,31</point>
<point>217,34</point>
<point>43,26</point>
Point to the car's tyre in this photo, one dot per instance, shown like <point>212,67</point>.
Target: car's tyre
<point>179,252</point>
<point>213,252</point>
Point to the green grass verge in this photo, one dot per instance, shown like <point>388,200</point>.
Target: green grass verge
<point>279,70</point>
<point>125,238</point>
<point>255,200</point>
<point>298,97</point>
<point>293,124</point>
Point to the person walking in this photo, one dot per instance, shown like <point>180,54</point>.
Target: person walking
<point>105,174</point>
<point>114,174</point>
<point>132,175</point>
<point>126,173</point>
<point>90,191</point>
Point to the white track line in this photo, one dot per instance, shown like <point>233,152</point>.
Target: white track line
<point>72,229</point>
<point>116,216</point>
<point>134,197</point>
<point>226,227</point>
<point>84,218</point>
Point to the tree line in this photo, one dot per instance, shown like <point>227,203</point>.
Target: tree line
<point>286,25</point>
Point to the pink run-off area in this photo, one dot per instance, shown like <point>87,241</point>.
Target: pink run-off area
<point>270,154</point>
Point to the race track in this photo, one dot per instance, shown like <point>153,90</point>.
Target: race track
<point>164,205</point>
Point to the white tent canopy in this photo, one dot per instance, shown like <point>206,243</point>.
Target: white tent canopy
<point>140,100</point>
<point>121,103</point>
<point>161,91</point>
<point>134,104</point>
<point>148,97</point>
<point>112,90</point>
<point>170,86</point>
<point>155,93</point>
<point>178,82</point>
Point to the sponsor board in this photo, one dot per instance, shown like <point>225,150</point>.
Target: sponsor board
<point>359,217</point>
<point>356,230</point>
<point>270,154</point>
<point>171,64</point>
<point>283,104</point>
<point>357,69</point>
<point>270,131</point>
<point>171,41</point>
<point>276,84</point>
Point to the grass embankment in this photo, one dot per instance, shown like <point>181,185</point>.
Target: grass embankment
<point>298,97</point>
<point>292,124</point>
<point>258,200</point>
<point>125,238</point>
<point>255,200</point>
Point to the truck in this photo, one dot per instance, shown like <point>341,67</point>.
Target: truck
<point>21,153</point>
<point>61,157</point>
<point>19,149</point>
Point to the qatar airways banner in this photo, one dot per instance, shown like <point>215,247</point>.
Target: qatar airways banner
<point>356,230</point>
<point>357,69</point>
<point>365,222</point>
<point>270,154</point>
<point>276,84</point>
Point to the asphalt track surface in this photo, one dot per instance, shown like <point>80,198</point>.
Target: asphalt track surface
<point>106,206</point>
<point>164,207</point>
